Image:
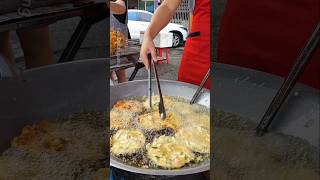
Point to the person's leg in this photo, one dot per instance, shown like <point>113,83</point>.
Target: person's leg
<point>5,46</point>
<point>121,74</point>
<point>36,45</point>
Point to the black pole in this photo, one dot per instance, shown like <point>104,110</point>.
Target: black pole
<point>290,81</point>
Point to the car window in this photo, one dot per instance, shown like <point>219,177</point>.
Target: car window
<point>132,16</point>
<point>145,17</point>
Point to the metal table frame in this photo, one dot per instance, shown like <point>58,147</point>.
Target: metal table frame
<point>90,13</point>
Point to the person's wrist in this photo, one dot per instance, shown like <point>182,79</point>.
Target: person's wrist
<point>147,36</point>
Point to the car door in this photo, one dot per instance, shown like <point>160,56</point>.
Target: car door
<point>133,24</point>
<point>144,19</point>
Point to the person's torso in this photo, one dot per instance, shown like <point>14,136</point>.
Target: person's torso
<point>201,17</point>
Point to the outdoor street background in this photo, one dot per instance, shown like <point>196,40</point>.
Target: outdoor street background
<point>94,46</point>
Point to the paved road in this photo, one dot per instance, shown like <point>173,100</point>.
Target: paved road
<point>166,71</point>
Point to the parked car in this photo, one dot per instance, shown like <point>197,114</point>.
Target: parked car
<point>138,20</point>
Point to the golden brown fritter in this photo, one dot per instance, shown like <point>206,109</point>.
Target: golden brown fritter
<point>152,121</point>
<point>117,40</point>
<point>127,142</point>
<point>167,153</point>
<point>195,138</point>
<point>132,106</point>
<point>120,119</point>
<point>37,137</point>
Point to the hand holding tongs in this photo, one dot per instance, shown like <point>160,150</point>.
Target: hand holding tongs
<point>162,110</point>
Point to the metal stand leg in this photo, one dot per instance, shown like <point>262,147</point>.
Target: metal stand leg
<point>76,40</point>
<point>290,81</point>
<point>80,34</point>
<point>135,71</point>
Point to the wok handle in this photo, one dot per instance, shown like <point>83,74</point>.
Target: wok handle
<point>290,81</point>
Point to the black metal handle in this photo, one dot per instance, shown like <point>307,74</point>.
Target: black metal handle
<point>288,84</point>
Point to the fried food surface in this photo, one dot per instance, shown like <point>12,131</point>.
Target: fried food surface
<point>117,40</point>
<point>155,102</point>
<point>184,131</point>
<point>166,152</point>
<point>120,119</point>
<point>200,120</point>
<point>127,141</point>
<point>37,137</point>
<point>195,138</point>
<point>133,106</point>
<point>152,122</point>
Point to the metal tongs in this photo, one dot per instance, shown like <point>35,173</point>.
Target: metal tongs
<point>290,81</point>
<point>197,93</point>
<point>162,110</point>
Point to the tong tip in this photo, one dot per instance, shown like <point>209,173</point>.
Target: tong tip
<point>162,116</point>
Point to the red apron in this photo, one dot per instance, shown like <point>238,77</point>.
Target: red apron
<point>195,60</point>
<point>268,35</point>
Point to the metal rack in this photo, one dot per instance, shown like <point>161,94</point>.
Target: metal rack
<point>129,57</point>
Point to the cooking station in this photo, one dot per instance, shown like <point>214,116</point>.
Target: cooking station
<point>53,90</point>
<point>128,57</point>
<point>280,106</point>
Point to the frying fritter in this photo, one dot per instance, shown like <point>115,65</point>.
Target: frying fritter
<point>155,102</point>
<point>37,137</point>
<point>133,106</point>
<point>167,153</point>
<point>183,108</point>
<point>198,119</point>
<point>195,138</point>
<point>127,142</point>
<point>152,121</point>
<point>120,119</point>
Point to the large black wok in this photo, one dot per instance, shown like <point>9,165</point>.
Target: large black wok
<point>248,93</point>
<point>169,88</point>
<point>51,92</point>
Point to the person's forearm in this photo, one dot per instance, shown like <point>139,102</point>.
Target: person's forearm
<point>162,17</point>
